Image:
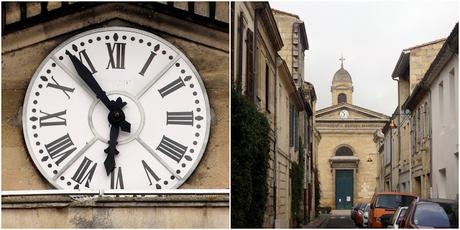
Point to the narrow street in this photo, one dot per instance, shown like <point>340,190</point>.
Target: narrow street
<point>339,222</point>
<point>339,219</point>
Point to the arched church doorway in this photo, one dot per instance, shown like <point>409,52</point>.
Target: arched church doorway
<point>343,189</point>
<point>344,173</point>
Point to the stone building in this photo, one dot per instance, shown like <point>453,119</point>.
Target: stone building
<point>411,150</point>
<point>261,39</point>
<point>347,155</point>
<point>30,31</point>
<point>434,125</point>
<point>311,156</point>
<point>295,40</point>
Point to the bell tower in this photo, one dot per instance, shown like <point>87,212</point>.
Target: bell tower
<point>342,86</point>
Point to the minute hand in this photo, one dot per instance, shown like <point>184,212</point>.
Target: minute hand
<point>88,78</point>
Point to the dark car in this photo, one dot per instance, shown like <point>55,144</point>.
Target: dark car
<point>431,214</point>
<point>354,209</point>
<point>359,215</point>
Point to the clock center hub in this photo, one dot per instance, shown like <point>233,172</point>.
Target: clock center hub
<point>100,118</point>
<point>116,116</point>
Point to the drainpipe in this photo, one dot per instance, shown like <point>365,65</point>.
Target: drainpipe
<point>391,160</point>
<point>399,135</point>
<point>410,152</point>
<point>275,164</point>
<point>431,143</point>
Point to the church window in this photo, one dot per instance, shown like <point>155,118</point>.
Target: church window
<point>342,98</point>
<point>344,151</point>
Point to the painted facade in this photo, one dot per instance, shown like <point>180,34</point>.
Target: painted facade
<point>411,149</point>
<point>424,128</point>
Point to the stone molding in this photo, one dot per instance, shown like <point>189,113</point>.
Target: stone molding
<point>114,201</point>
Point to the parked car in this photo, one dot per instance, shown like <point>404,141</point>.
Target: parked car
<point>359,215</point>
<point>366,215</point>
<point>431,214</point>
<point>397,217</point>
<point>384,205</point>
<point>354,209</point>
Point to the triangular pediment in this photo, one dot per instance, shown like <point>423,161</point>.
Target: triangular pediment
<point>353,113</point>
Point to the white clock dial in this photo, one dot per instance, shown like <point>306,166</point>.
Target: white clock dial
<point>343,114</point>
<point>66,127</point>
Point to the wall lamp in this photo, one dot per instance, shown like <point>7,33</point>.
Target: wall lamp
<point>392,123</point>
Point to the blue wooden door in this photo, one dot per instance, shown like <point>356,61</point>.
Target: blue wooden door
<point>343,189</point>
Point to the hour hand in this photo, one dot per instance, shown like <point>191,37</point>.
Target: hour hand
<point>111,151</point>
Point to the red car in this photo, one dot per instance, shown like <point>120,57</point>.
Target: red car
<point>359,215</point>
<point>431,214</point>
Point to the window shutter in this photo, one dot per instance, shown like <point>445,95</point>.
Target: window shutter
<point>240,52</point>
<point>250,65</point>
<point>291,122</point>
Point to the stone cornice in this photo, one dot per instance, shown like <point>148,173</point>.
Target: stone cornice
<point>107,12</point>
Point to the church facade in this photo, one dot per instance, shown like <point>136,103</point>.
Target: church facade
<point>347,154</point>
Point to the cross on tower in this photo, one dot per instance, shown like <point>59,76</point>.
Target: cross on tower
<point>342,59</point>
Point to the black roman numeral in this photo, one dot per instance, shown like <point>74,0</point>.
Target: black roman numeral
<point>149,173</point>
<point>84,56</point>
<point>171,87</point>
<point>147,63</point>
<point>64,89</point>
<point>60,148</point>
<point>116,55</point>
<point>84,172</point>
<point>116,181</point>
<point>179,118</point>
<point>172,149</point>
<point>55,119</point>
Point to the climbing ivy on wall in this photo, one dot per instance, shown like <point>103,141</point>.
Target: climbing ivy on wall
<point>317,192</point>
<point>250,155</point>
<point>297,176</point>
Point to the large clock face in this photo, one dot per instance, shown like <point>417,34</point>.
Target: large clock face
<point>343,113</point>
<point>67,130</point>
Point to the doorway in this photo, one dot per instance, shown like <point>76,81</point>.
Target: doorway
<point>343,189</point>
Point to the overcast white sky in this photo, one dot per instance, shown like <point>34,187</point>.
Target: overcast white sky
<point>371,36</point>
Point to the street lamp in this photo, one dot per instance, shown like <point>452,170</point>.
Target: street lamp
<point>392,123</point>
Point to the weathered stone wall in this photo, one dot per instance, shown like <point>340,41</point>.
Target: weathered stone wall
<point>115,212</point>
<point>420,60</point>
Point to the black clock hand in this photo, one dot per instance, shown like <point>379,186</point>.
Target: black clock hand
<point>111,151</point>
<point>89,79</point>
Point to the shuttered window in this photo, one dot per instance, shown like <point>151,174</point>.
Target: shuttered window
<point>291,125</point>
<point>250,64</point>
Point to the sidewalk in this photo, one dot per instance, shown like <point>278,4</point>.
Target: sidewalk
<point>340,212</point>
<point>316,223</point>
